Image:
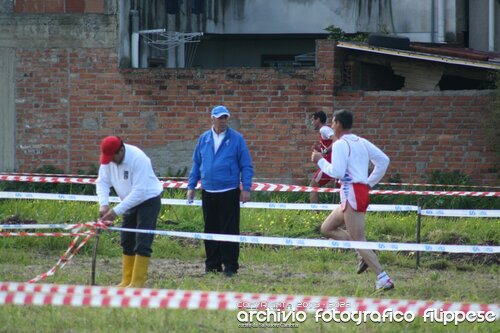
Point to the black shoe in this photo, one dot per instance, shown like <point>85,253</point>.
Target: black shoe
<point>229,273</point>
<point>213,270</point>
<point>362,266</point>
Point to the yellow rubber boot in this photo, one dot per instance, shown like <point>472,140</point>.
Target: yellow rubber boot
<point>140,272</point>
<point>127,269</point>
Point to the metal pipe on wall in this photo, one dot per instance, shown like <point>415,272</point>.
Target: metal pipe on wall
<point>441,21</point>
<point>433,21</point>
<point>134,15</point>
<point>491,26</point>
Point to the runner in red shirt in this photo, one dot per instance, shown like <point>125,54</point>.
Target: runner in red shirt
<point>324,145</point>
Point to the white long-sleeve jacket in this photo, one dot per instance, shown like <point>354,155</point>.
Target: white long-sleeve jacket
<point>133,180</point>
<point>351,156</point>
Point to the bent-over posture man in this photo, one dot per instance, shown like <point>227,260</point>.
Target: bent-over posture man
<point>128,170</point>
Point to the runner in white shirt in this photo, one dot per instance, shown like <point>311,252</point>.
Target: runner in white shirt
<point>351,156</point>
<point>128,170</point>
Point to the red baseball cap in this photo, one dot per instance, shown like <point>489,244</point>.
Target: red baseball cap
<point>109,147</point>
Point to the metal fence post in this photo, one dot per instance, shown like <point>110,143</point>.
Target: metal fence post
<point>419,226</point>
<point>94,258</point>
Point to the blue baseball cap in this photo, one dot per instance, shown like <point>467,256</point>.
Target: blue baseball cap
<point>219,111</point>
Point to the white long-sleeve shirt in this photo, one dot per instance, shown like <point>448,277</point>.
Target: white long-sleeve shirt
<point>351,155</point>
<point>133,180</point>
<point>326,132</point>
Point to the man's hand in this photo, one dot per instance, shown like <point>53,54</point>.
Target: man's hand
<point>190,196</point>
<point>109,217</point>
<point>103,210</point>
<point>245,196</point>
<point>316,156</point>
<point>317,146</point>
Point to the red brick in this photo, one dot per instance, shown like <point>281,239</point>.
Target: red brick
<point>29,6</point>
<point>54,6</point>
<point>75,6</point>
<point>94,6</point>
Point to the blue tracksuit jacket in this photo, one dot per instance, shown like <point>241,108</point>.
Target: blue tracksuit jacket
<point>231,164</point>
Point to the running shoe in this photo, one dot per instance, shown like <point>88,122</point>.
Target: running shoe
<point>384,285</point>
<point>362,266</point>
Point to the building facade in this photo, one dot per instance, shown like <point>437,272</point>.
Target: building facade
<point>65,85</point>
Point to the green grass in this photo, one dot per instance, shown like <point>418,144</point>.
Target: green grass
<point>179,264</point>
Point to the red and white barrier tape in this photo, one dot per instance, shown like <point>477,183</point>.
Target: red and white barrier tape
<point>437,185</point>
<point>38,234</point>
<point>102,297</point>
<point>73,248</point>
<point>92,226</point>
<point>184,178</point>
<point>42,179</point>
<point>267,187</point>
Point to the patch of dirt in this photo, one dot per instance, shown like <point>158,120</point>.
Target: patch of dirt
<point>173,268</point>
<point>160,269</point>
<point>176,268</point>
<point>472,259</point>
<point>469,258</point>
<point>458,259</point>
<point>15,219</point>
<point>168,222</point>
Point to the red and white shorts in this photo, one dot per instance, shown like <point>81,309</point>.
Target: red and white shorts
<point>321,178</point>
<point>357,195</point>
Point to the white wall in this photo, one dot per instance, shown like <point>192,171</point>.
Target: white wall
<point>478,25</point>
<point>415,19</point>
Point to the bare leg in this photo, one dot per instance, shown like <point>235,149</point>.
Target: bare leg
<point>331,227</point>
<point>355,223</point>
<point>313,196</point>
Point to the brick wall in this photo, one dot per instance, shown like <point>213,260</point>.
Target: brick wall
<point>67,100</point>
<point>42,108</point>
<point>428,131</point>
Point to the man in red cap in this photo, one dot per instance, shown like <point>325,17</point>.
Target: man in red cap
<point>128,170</point>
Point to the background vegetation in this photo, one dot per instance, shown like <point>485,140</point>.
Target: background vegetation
<point>178,263</point>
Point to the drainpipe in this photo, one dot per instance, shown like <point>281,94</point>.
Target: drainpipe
<point>134,16</point>
<point>491,26</point>
<point>433,22</point>
<point>441,21</point>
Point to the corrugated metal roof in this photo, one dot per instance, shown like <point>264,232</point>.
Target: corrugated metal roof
<point>425,53</point>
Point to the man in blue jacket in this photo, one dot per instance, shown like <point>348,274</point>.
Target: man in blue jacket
<point>222,162</point>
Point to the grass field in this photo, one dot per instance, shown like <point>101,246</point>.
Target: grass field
<point>178,264</point>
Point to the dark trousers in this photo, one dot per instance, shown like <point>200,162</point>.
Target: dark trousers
<point>142,216</point>
<point>221,212</point>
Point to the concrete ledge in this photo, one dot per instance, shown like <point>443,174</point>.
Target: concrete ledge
<point>58,31</point>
